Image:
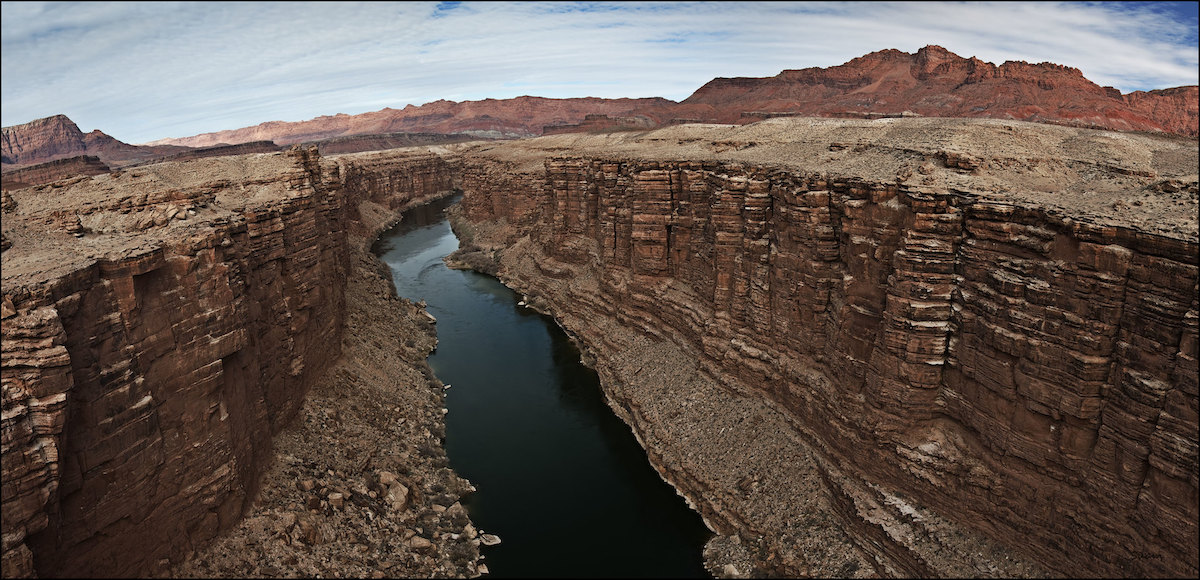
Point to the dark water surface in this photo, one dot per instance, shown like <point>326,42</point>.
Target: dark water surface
<point>561,479</point>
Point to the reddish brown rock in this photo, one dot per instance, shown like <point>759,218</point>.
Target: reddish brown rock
<point>58,137</point>
<point>951,359</point>
<point>146,368</point>
<point>489,118</point>
<point>935,82</point>
<point>53,171</point>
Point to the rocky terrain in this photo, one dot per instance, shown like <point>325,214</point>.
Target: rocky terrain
<point>162,325</point>
<point>903,346</point>
<point>384,141</point>
<point>58,137</point>
<point>933,82</point>
<point>900,347</point>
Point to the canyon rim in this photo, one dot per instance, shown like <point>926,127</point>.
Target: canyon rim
<point>859,344</point>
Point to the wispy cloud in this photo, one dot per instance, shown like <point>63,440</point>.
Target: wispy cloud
<point>142,71</point>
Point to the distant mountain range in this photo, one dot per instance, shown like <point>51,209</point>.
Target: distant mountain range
<point>933,82</point>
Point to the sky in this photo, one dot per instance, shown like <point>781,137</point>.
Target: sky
<point>142,71</point>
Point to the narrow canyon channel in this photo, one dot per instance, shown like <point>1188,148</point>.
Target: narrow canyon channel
<point>560,478</point>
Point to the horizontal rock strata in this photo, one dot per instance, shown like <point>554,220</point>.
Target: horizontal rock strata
<point>53,171</point>
<point>983,387</point>
<point>159,326</point>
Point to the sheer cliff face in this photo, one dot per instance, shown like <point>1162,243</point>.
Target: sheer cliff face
<point>1020,371</point>
<point>159,326</point>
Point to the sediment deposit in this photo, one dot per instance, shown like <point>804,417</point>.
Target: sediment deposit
<point>160,326</point>
<point>905,346</point>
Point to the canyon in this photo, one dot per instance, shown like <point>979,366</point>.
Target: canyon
<point>162,324</point>
<point>897,346</point>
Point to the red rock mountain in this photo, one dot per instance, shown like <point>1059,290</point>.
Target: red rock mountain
<point>518,117</point>
<point>935,82</point>
<point>58,137</point>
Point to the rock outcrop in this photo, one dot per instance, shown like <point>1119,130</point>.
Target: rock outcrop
<point>935,82</point>
<point>52,171</point>
<point>361,143</point>
<point>835,350</point>
<point>217,151</point>
<point>58,137</point>
<point>159,326</point>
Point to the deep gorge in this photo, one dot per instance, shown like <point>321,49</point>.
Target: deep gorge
<point>560,478</point>
<point>845,375</point>
<point>1019,372</point>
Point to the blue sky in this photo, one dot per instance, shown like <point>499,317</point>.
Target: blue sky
<point>142,71</point>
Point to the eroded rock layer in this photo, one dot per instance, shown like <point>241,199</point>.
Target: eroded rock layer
<point>51,171</point>
<point>977,384</point>
<point>159,326</point>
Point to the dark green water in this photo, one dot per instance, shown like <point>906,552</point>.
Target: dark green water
<point>561,479</point>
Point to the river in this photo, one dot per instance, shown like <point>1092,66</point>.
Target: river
<point>560,478</point>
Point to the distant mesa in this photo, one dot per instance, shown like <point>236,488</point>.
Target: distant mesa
<point>933,82</point>
<point>490,118</point>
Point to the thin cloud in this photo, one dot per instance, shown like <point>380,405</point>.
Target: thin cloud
<point>143,71</point>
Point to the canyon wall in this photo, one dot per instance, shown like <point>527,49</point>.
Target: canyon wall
<point>1017,372</point>
<point>53,171</point>
<point>159,326</point>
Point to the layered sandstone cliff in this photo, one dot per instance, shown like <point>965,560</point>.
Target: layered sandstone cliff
<point>933,348</point>
<point>160,325</point>
<point>51,171</point>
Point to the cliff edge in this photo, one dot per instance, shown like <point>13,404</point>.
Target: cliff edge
<point>918,347</point>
